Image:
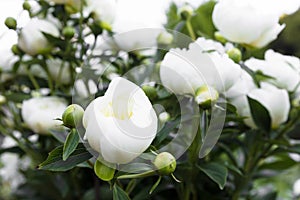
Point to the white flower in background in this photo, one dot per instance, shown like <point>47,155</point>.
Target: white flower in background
<point>275,100</point>
<point>247,22</point>
<point>237,96</point>
<point>104,10</point>
<point>40,113</point>
<point>10,171</point>
<point>54,67</point>
<point>296,188</point>
<point>138,23</point>
<point>121,124</point>
<point>283,69</point>
<point>31,39</point>
<point>194,3</point>
<point>183,71</point>
<point>281,8</point>
<point>85,90</point>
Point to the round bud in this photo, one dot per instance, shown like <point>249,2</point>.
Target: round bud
<point>26,6</point>
<point>165,163</point>
<point>149,91</point>
<point>164,117</point>
<point>72,116</point>
<point>11,23</point>
<point>165,38</point>
<point>205,96</point>
<point>16,50</point>
<point>235,54</point>
<point>68,32</point>
<point>186,12</point>
<point>2,99</point>
<point>220,37</point>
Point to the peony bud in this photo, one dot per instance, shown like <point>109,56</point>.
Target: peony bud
<point>164,117</point>
<point>16,50</point>
<point>235,54</point>
<point>72,116</point>
<point>150,91</point>
<point>2,99</point>
<point>165,163</point>
<point>26,6</point>
<point>186,12</point>
<point>11,23</point>
<point>68,32</point>
<point>205,96</point>
<point>165,38</point>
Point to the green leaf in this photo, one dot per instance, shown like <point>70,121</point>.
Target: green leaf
<point>103,171</point>
<point>70,144</point>
<point>119,193</point>
<point>54,161</point>
<point>216,172</point>
<point>260,114</point>
<point>278,165</point>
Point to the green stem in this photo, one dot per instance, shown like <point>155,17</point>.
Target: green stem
<point>190,29</point>
<point>32,79</point>
<point>141,175</point>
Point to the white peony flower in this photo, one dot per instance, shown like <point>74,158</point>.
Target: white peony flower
<point>104,10</point>
<point>275,100</point>
<point>121,124</point>
<point>247,22</point>
<point>40,113</point>
<point>10,172</point>
<point>138,23</point>
<point>31,39</point>
<point>283,69</point>
<point>183,71</point>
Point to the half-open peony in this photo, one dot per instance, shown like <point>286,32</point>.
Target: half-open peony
<point>247,21</point>
<point>31,39</point>
<point>121,124</point>
<point>183,71</point>
<point>40,113</point>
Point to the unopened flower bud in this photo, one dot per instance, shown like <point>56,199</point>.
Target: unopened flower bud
<point>220,37</point>
<point>72,116</point>
<point>235,54</point>
<point>150,91</point>
<point>205,96</point>
<point>186,12</point>
<point>26,6</point>
<point>16,50</point>
<point>165,38</point>
<point>68,32</point>
<point>164,117</point>
<point>165,163</point>
<point>2,99</point>
<point>11,23</point>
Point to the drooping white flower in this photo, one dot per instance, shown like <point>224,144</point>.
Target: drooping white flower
<point>121,124</point>
<point>284,70</point>
<point>275,100</point>
<point>104,10</point>
<point>183,71</point>
<point>40,113</point>
<point>31,39</point>
<point>247,22</point>
<point>138,23</point>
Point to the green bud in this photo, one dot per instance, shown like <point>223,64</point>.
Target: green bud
<point>26,6</point>
<point>150,91</point>
<point>235,54</point>
<point>165,163</point>
<point>16,50</point>
<point>186,12</point>
<point>220,37</point>
<point>165,38</point>
<point>205,96</point>
<point>68,32</point>
<point>72,116</point>
<point>11,23</point>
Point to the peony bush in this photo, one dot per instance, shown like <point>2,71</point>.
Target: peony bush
<point>136,99</point>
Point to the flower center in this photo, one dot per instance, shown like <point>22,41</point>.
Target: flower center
<point>120,108</point>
